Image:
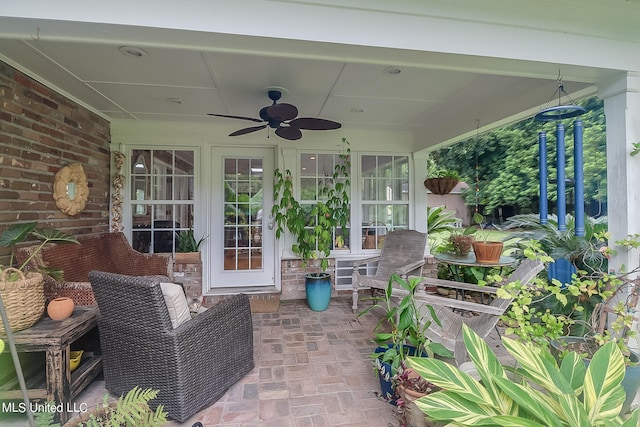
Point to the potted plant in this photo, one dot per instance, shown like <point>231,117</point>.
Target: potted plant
<point>188,247</point>
<point>486,251</point>
<point>407,320</point>
<point>131,409</point>
<point>595,308</point>
<point>442,181</point>
<point>23,290</point>
<point>313,226</point>
<point>538,393</point>
<point>410,386</point>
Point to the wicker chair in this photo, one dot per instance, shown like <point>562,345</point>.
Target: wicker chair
<point>192,365</point>
<point>104,252</point>
<point>402,253</point>
<point>450,311</point>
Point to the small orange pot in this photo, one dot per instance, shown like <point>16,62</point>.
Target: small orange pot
<point>60,308</point>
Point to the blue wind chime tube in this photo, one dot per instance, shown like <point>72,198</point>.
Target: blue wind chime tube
<point>543,202</point>
<point>578,174</point>
<point>561,193</point>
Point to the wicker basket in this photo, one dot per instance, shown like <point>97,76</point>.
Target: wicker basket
<point>23,299</point>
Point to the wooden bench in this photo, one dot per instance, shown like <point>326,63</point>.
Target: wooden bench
<point>108,252</point>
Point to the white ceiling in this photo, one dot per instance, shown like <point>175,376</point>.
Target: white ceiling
<point>437,96</point>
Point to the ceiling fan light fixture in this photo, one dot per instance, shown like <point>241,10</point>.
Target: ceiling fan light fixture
<point>281,117</point>
<point>132,51</point>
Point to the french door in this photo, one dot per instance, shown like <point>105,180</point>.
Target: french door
<point>243,252</point>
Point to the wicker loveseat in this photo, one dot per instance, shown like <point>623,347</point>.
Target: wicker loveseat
<point>192,365</point>
<point>109,252</point>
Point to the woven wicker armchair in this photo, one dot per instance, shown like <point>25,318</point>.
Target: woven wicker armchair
<point>192,365</point>
<point>402,253</point>
<point>104,252</point>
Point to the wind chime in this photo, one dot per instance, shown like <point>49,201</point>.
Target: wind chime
<point>557,114</point>
<point>477,166</point>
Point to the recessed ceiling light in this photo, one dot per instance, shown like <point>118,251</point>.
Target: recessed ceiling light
<point>357,110</point>
<point>133,51</point>
<point>175,100</point>
<point>392,71</point>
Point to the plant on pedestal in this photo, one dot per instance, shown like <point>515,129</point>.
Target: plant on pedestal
<point>486,251</point>
<point>313,225</point>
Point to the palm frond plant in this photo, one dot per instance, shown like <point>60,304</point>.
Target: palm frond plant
<point>539,393</point>
<point>187,241</point>
<point>19,233</point>
<point>583,252</point>
<point>439,222</point>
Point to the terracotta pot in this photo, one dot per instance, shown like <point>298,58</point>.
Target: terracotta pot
<point>412,415</point>
<point>488,252</point>
<point>60,308</point>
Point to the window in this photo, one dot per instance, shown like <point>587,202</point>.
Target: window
<point>385,197</point>
<point>316,178</point>
<point>161,198</point>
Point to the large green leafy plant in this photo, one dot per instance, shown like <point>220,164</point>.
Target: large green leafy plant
<point>313,226</point>
<point>540,393</point>
<point>405,321</point>
<point>592,305</point>
<point>19,233</point>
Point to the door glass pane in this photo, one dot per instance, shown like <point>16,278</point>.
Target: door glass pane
<point>242,244</point>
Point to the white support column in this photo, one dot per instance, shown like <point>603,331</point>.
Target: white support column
<point>622,111</point>
<point>419,192</point>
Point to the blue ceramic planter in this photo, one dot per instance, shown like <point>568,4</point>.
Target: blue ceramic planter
<point>385,373</point>
<point>318,286</point>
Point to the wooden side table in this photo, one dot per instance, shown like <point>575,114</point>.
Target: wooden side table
<point>56,383</point>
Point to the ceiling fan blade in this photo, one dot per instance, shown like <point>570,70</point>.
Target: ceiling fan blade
<point>310,123</point>
<point>236,117</point>
<point>289,132</point>
<point>282,112</point>
<point>247,130</point>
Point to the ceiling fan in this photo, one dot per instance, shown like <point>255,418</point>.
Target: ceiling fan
<point>282,118</point>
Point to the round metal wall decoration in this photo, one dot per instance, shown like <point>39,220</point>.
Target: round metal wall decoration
<point>70,189</point>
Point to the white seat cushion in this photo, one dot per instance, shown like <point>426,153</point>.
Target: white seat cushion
<point>176,303</point>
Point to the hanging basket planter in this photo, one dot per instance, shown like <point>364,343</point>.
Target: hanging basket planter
<point>440,186</point>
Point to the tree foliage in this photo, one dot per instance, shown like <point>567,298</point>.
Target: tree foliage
<point>508,162</point>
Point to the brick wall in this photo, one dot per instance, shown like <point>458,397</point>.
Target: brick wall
<point>41,131</point>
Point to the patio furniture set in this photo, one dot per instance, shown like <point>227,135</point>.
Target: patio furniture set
<point>148,338</point>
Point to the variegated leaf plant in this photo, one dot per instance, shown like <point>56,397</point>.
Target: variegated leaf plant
<point>539,393</point>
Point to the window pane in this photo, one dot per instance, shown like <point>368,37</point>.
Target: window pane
<point>140,161</point>
<point>385,196</point>
<point>184,216</point>
<point>162,162</point>
<point>183,189</point>
<point>184,162</point>
<point>160,177</point>
<point>308,189</point>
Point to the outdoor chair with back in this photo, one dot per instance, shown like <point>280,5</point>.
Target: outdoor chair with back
<point>402,253</point>
<point>192,365</point>
<point>451,312</point>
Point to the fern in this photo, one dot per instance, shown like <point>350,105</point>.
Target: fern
<point>131,410</point>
